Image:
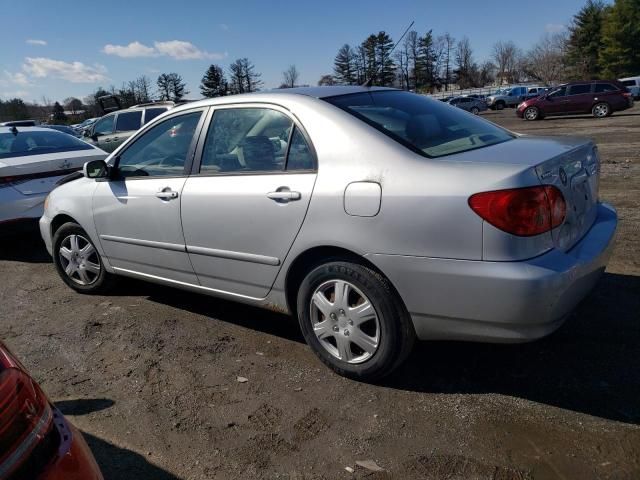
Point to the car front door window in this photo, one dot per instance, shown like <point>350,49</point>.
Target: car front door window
<point>104,126</point>
<point>162,150</point>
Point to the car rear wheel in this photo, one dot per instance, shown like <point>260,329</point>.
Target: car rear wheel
<point>601,110</point>
<point>531,113</point>
<point>475,110</point>
<point>354,321</point>
<point>77,260</point>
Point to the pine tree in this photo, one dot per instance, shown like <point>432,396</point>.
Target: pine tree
<point>424,75</point>
<point>213,83</point>
<point>385,66</point>
<point>58,114</point>
<point>344,67</point>
<point>585,40</point>
<point>620,56</point>
<point>171,87</point>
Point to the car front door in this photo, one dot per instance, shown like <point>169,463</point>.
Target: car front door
<point>127,123</point>
<point>246,201</point>
<point>102,132</point>
<point>555,102</point>
<point>137,212</point>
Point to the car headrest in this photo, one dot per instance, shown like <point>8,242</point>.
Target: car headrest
<point>258,153</point>
<point>421,129</point>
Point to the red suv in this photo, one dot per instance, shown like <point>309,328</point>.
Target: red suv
<point>598,97</point>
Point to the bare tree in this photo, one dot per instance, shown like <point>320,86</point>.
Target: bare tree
<point>290,77</point>
<point>327,80</point>
<point>506,56</point>
<point>73,105</point>
<point>448,43</point>
<point>546,61</point>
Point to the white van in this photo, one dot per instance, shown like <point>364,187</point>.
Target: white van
<point>633,84</point>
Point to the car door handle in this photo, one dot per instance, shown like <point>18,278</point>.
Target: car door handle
<point>166,194</point>
<point>284,195</point>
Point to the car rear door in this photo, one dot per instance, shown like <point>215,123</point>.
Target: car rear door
<point>137,211</point>
<point>247,198</point>
<point>127,123</point>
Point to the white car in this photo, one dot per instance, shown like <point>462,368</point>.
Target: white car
<point>32,160</point>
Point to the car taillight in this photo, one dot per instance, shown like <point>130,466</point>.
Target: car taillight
<point>25,415</point>
<point>521,211</point>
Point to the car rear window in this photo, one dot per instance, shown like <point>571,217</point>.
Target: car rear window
<point>38,142</point>
<point>629,83</point>
<point>425,126</point>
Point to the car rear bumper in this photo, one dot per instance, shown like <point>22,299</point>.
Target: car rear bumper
<point>500,301</point>
<point>74,460</point>
<point>16,205</point>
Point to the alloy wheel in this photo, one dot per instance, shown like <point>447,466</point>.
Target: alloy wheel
<point>79,259</point>
<point>601,110</point>
<point>345,321</point>
<point>531,113</point>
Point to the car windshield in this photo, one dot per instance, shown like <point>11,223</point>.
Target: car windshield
<point>37,142</point>
<point>430,128</point>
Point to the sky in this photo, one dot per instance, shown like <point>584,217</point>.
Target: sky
<point>63,48</point>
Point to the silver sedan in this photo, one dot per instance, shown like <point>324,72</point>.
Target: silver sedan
<point>375,216</point>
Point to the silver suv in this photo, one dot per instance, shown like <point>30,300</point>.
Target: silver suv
<point>113,129</point>
<point>511,97</point>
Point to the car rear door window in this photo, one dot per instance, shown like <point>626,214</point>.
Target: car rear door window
<point>104,126</point>
<point>162,150</point>
<point>605,87</point>
<point>579,89</point>
<point>244,140</point>
<point>300,156</point>
<point>128,121</point>
<point>151,113</point>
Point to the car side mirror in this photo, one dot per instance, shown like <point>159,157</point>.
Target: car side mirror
<point>95,169</point>
<point>86,133</point>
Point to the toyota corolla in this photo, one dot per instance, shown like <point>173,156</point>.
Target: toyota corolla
<point>375,216</point>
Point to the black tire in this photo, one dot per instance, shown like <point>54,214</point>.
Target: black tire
<point>531,113</point>
<point>500,105</point>
<point>601,110</point>
<point>396,333</point>
<point>103,280</point>
<point>475,110</point>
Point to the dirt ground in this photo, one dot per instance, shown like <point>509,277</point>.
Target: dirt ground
<point>149,374</point>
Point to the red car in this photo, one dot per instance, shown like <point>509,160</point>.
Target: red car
<point>36,441</point>
<point>599,97</point>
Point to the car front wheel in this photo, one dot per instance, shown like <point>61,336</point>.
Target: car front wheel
<point>532,113</point>
<point>354,320</point>
<point>77,261</point>
<point>475,110</point>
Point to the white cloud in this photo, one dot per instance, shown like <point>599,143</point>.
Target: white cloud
<point>133,50</point>
<point>18,78</point>
<point>33,41</point>
<point>74,72</point>
<point>555,27</point>
<point>176,49</point>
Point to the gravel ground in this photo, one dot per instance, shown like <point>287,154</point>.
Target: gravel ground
<point>150,374</point>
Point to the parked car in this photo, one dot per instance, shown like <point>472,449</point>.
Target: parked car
<point>37,440</point>
<point>469,104</point>
<point>113,129</point>
<point>374,215</point>
<point>534,92</point>
<point>19,123</point>
<point>32,160</point>
<point>599,97</point>
<point>509,97</point>
<point>633,85</point>
<point>64,129</point>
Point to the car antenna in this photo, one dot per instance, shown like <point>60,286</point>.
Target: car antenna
<point>368,82</point>
<point>13,130</point>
